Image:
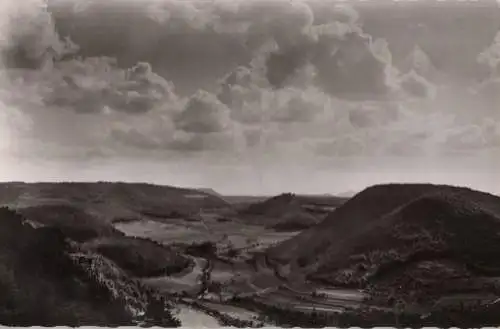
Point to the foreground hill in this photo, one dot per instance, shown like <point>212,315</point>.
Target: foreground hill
<point>48,280</point>
<point>291,212</point>
<point>406,239</point>
<point>136,256</point>
<point>111,201</point>
<point>74,221</point>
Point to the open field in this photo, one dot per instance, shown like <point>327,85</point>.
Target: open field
<point>192,318</point>
<point>238,235</point>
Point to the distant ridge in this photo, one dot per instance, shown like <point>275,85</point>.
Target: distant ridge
<point>346,194</point>
<point>289,211</point>
<point>110,200</point>
<point>210,191</point>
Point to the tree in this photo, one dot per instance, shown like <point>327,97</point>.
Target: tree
<point>399,308</point>
<point>232,252</point>
<point>158,313</point>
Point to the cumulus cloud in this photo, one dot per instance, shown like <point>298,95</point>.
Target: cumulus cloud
<point>348,62</point>
<point>252,100</point>
<point>491,55</point>
<point>419,62</point>
<point>330,40</point>
<point>204,114</point>
<point>298,105</point>
<point>487,96</point>
<point>30,39</point>
<point>182,16</point>
<point>284,22</point>
<point>152,131</point>
<point>94,84</point>
<point>313,85</point>
<point>416,85</point>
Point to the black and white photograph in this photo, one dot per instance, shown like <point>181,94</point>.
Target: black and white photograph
<point>250,163</point>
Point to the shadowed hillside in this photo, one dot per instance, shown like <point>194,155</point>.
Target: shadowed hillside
<point>140,257</point>
<point>73,221</point>
<point>47,280</point>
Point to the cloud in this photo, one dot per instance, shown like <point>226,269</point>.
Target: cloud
<point>30,37</point>
<point>95,84</point>
<point>487,96</point>
<point>416,85</point>
<point>227,143</point>
<point>252,100</point>
<point>151,131</point>
<point>491,55</point>
<point>314,85</point>
<point>298,106</point>
<point>203,114</point>
<point>182,16</point>
<point>348,62</point>
<point>419,62</point>
<point>325,12</point>
<point>345,146</point>
<point>284,22</point>
<point>330,39</point>
<point>369,115</point>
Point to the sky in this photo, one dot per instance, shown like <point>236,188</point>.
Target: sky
<point>251,97</point>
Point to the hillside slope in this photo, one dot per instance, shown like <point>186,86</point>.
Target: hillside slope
<point>138,257</point>
<point>291,212</point>
<point>47,280</point>
<point>75,222</point>
<point>402,237</point>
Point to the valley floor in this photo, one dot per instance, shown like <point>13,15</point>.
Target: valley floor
<point>215,285</point>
